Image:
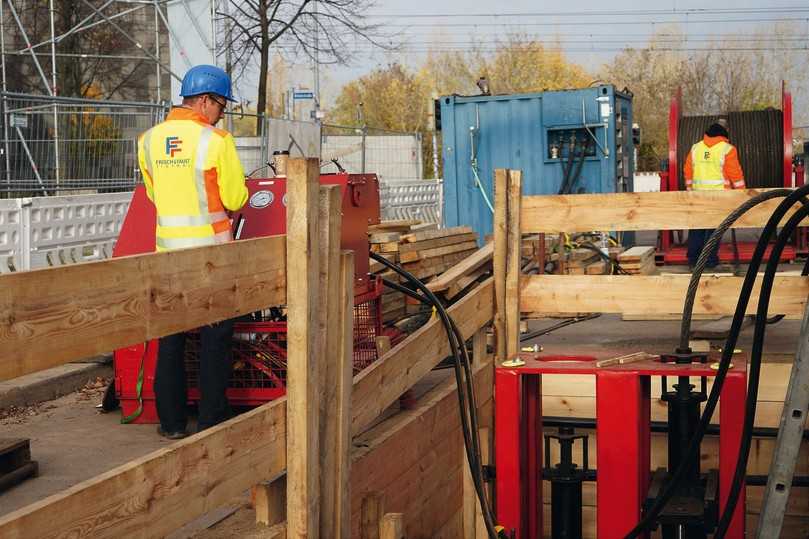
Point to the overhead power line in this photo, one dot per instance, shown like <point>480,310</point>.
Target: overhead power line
<point>601,13</point>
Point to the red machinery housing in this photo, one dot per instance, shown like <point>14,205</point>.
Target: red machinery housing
<point>259,346</point>
<point>673,253</point>
<point>623,439</point>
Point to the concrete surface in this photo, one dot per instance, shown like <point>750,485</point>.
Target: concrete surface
<point>53,383</point>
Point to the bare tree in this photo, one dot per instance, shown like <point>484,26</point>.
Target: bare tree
<point>327,31</point>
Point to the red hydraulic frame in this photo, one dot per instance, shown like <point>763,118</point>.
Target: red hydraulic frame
<point>622,437</point>
<point>671,253</point>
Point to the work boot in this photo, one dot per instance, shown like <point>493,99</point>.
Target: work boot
<point>172,435</point>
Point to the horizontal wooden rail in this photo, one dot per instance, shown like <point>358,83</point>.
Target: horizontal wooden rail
<point>380,385</point>
<point>160,492</point>
<point>653,294</point>
<point>164,490</point>
<point>673,210</point>
<point>51,316</point>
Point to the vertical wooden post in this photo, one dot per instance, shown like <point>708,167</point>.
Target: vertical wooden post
<point>392,526</point>
<point>335,490</point>
<point>513,263</point>
<point>373,507</point>
<point>499,260</point>
<point>270,501</point>
<point>485,458</point>
<point>303,376</point>
<point>330,331</point>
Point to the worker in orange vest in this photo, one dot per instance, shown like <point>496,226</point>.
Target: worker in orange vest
<point>711,165</point>
<point>193,175</point>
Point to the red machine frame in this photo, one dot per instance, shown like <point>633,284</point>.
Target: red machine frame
<point>259,375</point>
<point>623,439</point>
<point>670,252</point>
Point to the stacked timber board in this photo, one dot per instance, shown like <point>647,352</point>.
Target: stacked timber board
<point>638,260</point>
<point>586,262</point>
<point>422,250</point>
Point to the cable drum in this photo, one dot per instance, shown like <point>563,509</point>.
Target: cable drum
<point>757,135</point>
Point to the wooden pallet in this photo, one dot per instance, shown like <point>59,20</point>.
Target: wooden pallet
<point>15,462</point>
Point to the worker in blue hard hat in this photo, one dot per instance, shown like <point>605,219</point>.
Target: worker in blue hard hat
<point>193,176</point>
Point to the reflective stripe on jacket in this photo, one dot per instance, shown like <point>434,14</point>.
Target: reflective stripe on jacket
<point>713,164</point>
<point>192,173</point>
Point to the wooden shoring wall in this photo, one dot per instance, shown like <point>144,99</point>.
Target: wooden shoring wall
<point>639,294</point>
<point>125,301</point>
<point>51,316</point>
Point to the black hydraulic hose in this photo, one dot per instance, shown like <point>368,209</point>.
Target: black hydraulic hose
<point>754,372</point>
<point>710,245</point>
<point>544,331</point>
<point>579,164</point>
<point>778,317</point>
<point>468,417</point>
<point>735,328</point>
<point>567,167</point>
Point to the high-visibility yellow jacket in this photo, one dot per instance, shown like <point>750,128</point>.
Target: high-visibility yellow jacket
<point>192,173</point>
<point>713,164</point>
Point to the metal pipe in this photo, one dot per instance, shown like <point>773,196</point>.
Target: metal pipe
<point>78,27</point>
<point>159,96</point>
<point>5,88</point>
<point>130,38</point>
<point>28,45</point>
<point>655,426</point>
<point>57,168</point>
<point>77,100</point>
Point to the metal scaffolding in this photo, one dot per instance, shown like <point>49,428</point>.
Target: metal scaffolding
<point>41,127</point>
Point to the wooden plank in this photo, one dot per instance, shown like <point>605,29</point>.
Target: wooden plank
<point>414,460</point>
<point>671,210</point>
<point>434,234</point>
<point>336,323</point>
<point>158,493</point>
<point>373,507</point>
<point>437,242</point>
<point>637,254</point>
<point>468,265</point>
<point>384,237</point>
<point>51,316</point>
<point>513,263</point>
<point>392,526</point>
<point>303,349</point>
<point>412,256</point>
<point>402,225</point>
<point>499,261</point>
<point>271,501</point>
<point>658,294</point>
<point>485,458</point>
<point>381,384</point>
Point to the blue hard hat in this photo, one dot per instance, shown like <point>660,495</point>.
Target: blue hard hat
<point>206,79</point>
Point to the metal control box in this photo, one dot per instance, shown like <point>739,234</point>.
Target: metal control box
<point>570,141</point>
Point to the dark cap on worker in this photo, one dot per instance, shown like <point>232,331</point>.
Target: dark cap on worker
<point>718,129</point>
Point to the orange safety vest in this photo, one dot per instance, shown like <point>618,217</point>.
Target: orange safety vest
<point>192,173</point>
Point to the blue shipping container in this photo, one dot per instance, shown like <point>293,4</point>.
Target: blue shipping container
<point>534,133</point>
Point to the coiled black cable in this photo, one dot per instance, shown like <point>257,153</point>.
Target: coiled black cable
<point>469,425</point>
<point>727,352</point>
<point>754,370</point>
<point>710,245</point>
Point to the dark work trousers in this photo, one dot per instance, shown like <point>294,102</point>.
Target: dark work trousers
<point>696,241</point>
<point>214,373</point>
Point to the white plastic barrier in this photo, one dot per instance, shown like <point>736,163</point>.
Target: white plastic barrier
<point>412,199</point>
<point>53,231</point>
<point>12,250</point>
